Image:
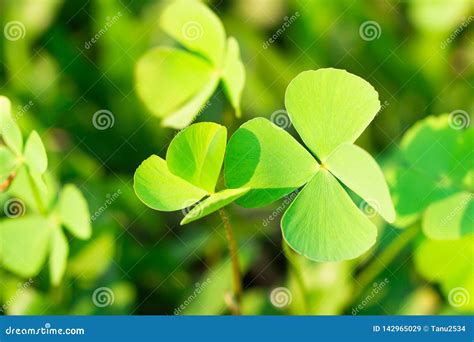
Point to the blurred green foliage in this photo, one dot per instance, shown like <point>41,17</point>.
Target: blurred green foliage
<point>61,62</point>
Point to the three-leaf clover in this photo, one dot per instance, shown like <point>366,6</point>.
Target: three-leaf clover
<point>329,108</point>
<point>189,173</point>
<point>434,178</point>
<point>174,83</point>
<point>26,241</point>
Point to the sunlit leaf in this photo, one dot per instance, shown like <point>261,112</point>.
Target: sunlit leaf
<point>450,218</point>
<point>212,203</point>
<point>58,255</point>
<point>9,130</point>
<point>196,154</point>
<point>24,244</point>
<point>35,153</point>
<point>74,212</point>
<point>329,107</point>
<point>360,172</point>
<point>8,163</point>
<point>323,223</point>
<point>159,189</point>
<point>233,76</point>
<point>195,27</point>
<point>261,155</point>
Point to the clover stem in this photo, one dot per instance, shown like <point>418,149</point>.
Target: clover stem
<point>234,256</point>
<point>295,268</point>
<point>382,261</point>
<point>36,195</point>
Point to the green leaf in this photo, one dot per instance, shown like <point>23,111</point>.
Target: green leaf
<point>196,27</point>
<point>196,154</point>
<point>35,153</point>
<point>323,223</point>
<point>58,255</point>
<point>360,172</point>
<point>74,212</point>
<point>233,76</point>
<point>453,270</point>
<point>168,80</point>
<point>212,203</point>
<point>329,107</point>
<point>262,197</point>
<point>161,190</point>
<point>261,155</point>
<point>8,163</point>
<point>450,218</point>
<point>439,152</point>
<point>24,244</point>
<point>9,130</point>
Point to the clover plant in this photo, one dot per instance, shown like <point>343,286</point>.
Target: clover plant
<point>433,182</point>
<point>329,108</point>
<point>175,83</point>
<point>33,228</point>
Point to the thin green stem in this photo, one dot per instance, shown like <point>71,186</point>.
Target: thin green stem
<point>377,266</point>
<point>234,257</point>
<point>295,268</point>
<point>36,195</point>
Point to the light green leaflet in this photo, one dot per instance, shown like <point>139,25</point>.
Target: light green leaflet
<point>454,269</point>
<point>174,83</point>
<point>190,172</point>
<point>435,159</point>
<point>330,108</point>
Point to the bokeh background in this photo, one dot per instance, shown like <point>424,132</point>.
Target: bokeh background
<point>417,54</point>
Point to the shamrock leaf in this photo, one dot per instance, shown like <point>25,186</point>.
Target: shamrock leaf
<point>9,130</point>
<point>454,268</point>
<point>175,84</point>
<point>434,180</point>
<point>329,108</point>
<point>189,173</point>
